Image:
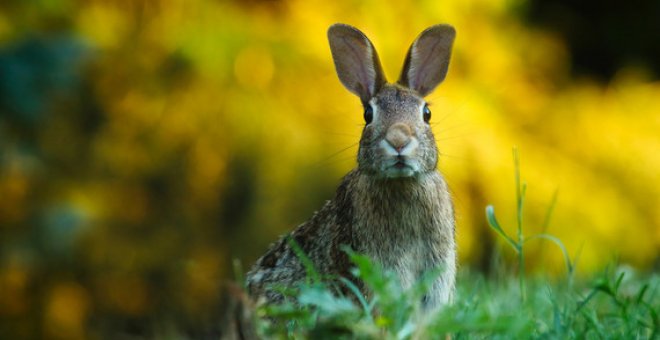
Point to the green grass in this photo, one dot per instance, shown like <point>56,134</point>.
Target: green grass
<point>617,303</point>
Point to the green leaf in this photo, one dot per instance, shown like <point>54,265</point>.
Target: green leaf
<point>325,301</point>
<point>559,243</point>
<point>619,279</point>
<point>642,291</point>
<point>550,211</point>
<point>492,222</point>
<point>358,294</point>
<point>312,273</point>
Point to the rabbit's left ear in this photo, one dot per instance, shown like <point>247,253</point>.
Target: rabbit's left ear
<point>428,59</point>
<point>356,61</point>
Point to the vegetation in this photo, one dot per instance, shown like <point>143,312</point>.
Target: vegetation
<point>617,303</point>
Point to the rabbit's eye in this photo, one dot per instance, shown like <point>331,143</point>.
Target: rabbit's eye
<point>427,113</point>
<point>368,114</point>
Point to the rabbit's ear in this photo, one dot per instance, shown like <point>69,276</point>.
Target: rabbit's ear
<point>356,61</point>
<point>428,59</point>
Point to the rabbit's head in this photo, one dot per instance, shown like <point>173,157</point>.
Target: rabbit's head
<point>397,140</point>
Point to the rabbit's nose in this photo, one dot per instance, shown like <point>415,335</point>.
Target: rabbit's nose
<point>398,136</point>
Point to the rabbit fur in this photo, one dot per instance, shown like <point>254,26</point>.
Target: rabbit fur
<point>395,206</point>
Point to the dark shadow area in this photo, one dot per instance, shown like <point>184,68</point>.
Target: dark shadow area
<point>603,36</point>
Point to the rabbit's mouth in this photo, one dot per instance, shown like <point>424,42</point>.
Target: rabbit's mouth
<point>400,167</point>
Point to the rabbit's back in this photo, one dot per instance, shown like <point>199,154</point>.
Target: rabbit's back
<point>282,265</point>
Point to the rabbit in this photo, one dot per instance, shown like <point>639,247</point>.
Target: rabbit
<point>394,207</point>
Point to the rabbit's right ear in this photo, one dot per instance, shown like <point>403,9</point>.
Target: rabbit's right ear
<point>428,59</point>
<point>356,61</point>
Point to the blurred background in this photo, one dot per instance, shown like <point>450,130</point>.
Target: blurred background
<point>145,145</point>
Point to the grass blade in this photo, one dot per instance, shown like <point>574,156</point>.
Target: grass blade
<point>492,222</point>
<point>550,211</point>
<point>559,243</point>
<point>312,273</point>
<point>354,289</point>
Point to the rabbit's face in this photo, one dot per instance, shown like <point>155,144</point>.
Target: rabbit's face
<point>397,140</point>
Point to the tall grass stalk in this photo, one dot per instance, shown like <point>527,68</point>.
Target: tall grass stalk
<point>518,245</point>
<point>520,198</point>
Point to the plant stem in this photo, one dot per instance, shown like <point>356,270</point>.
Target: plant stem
<point>520,195</point>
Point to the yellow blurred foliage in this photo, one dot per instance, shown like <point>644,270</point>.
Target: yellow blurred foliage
<point>263,88</point>
<point>66,311</point>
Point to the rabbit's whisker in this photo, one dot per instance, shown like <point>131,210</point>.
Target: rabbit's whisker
<point>329,158</point>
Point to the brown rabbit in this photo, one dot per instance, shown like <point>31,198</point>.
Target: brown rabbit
<point>394,207</point>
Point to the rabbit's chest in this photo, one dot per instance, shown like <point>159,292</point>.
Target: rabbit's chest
<point>408,262</point>
<point>402,245</point>
<point>408,229</point>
